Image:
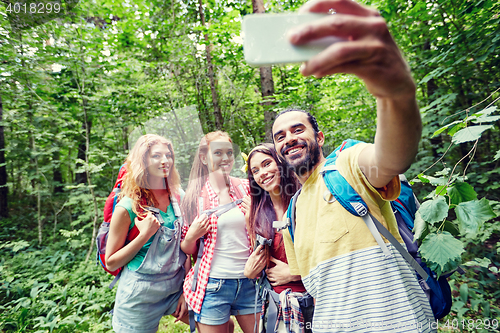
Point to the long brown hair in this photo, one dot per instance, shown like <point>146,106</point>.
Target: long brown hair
<point>262,213</point>
<point>136,184</point>
<point>198,175</point>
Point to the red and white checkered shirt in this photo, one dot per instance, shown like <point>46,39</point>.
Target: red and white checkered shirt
<point>195,298</point>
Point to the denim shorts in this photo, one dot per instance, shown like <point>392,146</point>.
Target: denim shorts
<point>142,299</point>
<point>226,297</point>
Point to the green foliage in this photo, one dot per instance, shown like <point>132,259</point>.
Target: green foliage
<point>434,210</point>
<point>442,251</point>
<point>140,67</point>
<point>52,290</point>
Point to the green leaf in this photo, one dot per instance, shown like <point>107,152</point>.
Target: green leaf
<point>441,250</point>
<point>434,210</point>
<point>441,190</point>
<point>423,178</point>
<point>464,292</point>
<point>474,304</point>
<point>419,225</point>
<point>484,262</point>
<point>455,128</point>
<point>497,156</point>
<point>444,172</point>
<point>471,215</point>
<point>486,119</point>
<point>433,180</point>
<point>442,129</point>
<point>451,227</point>
<point>470,133</point>
<point>461,192</point>
<point>457,306</point>
<point>487,111</point>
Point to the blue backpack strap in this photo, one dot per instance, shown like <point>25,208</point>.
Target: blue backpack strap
<point>342,191</point>
<point>290,214</point>
<point>192,323</point>
<point>338,187</point>
<point>406,204</point>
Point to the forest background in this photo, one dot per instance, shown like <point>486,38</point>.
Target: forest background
<point>75,90</point>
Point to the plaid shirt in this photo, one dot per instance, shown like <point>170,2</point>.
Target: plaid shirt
<point>290,312</point>
<point>195,298</point>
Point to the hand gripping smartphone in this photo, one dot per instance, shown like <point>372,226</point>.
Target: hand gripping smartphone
<point>265,39</point>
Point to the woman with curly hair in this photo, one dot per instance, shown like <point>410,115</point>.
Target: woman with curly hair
<point>272,186</point>
<point>154,266</point>
<point>216,287</point>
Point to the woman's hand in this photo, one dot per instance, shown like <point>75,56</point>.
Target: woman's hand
<point>255,263</point>
<point>280,274</point>
<point>199,227</point>
<point>245,205</point>
<point>181,309</point>
<point>148,226</point>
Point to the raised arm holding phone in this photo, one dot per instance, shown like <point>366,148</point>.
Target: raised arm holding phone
<point>355,286</point>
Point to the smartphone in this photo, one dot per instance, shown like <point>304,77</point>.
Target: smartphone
<point>265,39</point>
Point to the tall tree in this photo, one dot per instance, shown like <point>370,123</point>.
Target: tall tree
<point>4,190</point>
<point>219,120</point>
<point>266,81</point>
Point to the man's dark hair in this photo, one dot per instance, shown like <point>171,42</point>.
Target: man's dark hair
<point>310,117</point>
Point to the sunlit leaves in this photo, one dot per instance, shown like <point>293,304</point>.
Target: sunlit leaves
<point>470,133</point>
<point>471,216</point>
<point>419,226</point>
<point>461,192</point>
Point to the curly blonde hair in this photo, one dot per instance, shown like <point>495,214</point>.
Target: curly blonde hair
<point>135,184</point>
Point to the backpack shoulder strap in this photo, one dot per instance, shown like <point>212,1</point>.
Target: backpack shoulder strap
<point>338,187</point>
<point>290,214</point>
<point>238,187</point>
<point>175,200</point>
<point>342,191</point>
<point>203,200</point>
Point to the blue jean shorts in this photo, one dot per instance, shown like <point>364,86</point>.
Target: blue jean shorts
<point>142,299</point>
<point>226,297</point>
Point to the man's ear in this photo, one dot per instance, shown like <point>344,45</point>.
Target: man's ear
<point>321,139</point>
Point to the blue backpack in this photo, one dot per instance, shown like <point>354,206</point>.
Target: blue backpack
<point>405,206</point>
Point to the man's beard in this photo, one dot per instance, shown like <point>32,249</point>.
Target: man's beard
<point>308,162</point>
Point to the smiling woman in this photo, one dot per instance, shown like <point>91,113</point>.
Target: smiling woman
<point>272,185</point>
<point>219,288</point>
<point>154,266</point>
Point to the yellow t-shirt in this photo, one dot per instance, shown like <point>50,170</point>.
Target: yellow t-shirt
<point>355,286</point>
<point>326,230</point>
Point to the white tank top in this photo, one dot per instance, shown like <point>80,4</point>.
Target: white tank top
<point>232,248</point>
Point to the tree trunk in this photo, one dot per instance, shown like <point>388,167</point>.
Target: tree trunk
<point>267,88</point>
<point>266,83</point>
<point>81,178</point>
<point>4,190</point>
<point>125,138</point>
<point>219,120</point>
<point>89,181</point>
<point>437,141</point>
<point>57,174</point>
